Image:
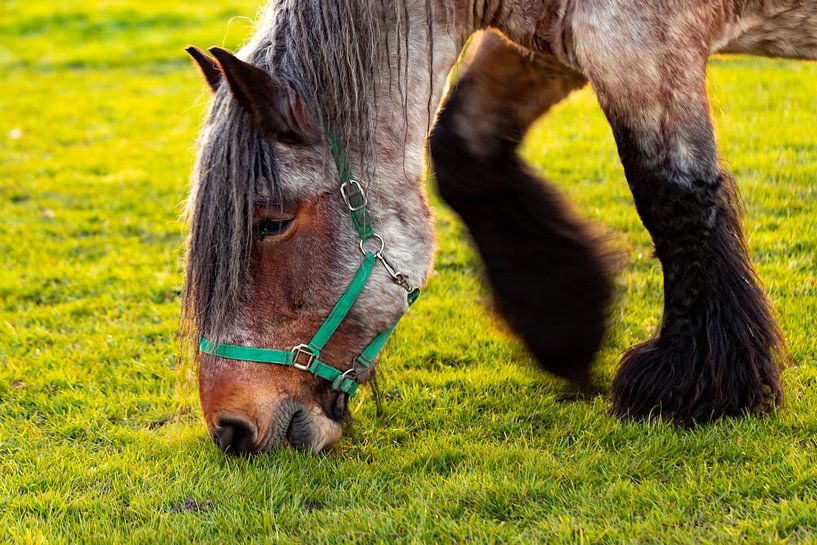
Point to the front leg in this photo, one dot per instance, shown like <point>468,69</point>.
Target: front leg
<point>717,350</point>
<point>544,266</point>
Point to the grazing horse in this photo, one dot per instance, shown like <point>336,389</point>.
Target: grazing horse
<point>310,229</point>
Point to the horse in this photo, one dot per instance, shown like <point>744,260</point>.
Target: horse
<point>309,219</point>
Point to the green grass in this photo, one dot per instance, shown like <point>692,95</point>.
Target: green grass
<point>101,438</point>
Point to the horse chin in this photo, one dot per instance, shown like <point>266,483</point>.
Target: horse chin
<point>325,431</point>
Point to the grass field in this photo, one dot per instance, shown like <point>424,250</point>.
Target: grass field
<point>101,438</point>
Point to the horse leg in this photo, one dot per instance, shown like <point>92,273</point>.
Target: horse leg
<point>545,268</point>
<point>716,350</point>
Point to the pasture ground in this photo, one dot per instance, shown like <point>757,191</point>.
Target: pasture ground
<point>101,438</point>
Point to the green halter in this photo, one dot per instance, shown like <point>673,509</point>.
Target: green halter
<point>305,357</point>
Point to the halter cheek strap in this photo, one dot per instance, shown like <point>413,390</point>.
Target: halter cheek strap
<point>306,357</point>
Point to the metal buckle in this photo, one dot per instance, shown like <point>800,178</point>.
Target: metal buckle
<point>344,193</point>
<point>302,349</point>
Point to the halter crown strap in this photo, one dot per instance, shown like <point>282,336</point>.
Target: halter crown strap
<point>305,357</point>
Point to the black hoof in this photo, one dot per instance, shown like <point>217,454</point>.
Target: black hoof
<point>696,380</point>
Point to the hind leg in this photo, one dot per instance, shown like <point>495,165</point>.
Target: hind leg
<point>716,350</point>
<point>543,265</point>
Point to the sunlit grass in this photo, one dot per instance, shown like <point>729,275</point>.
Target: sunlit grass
<point>100,435</point>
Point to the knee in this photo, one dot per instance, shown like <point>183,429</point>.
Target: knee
<point>467,172</point>
<point>452,157</point>
<point>443,139</point>
<point>675,206</point>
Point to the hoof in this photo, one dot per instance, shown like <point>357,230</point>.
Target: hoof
<point>697,380</point>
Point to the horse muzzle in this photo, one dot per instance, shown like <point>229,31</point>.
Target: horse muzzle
<point>289,424</point>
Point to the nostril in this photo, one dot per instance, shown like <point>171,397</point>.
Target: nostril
<point>299,432</point>
<point>235,435</point>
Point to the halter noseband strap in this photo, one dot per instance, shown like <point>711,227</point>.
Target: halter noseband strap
<point>305,357</point>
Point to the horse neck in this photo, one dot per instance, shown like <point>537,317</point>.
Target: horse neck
<point>403,121</point>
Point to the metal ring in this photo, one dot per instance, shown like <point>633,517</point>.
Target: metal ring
<point>337,384</point>
<point>379,252</point>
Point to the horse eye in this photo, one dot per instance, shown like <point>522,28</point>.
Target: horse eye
<point>272,228</point>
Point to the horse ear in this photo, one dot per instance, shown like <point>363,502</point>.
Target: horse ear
<point>208,66</point>
<point>275,106</point>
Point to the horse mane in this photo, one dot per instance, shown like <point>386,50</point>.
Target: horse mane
<point>341,57</point>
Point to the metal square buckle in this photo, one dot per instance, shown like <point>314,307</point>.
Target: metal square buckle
<point>299,352</point>
<point>346,194</point>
